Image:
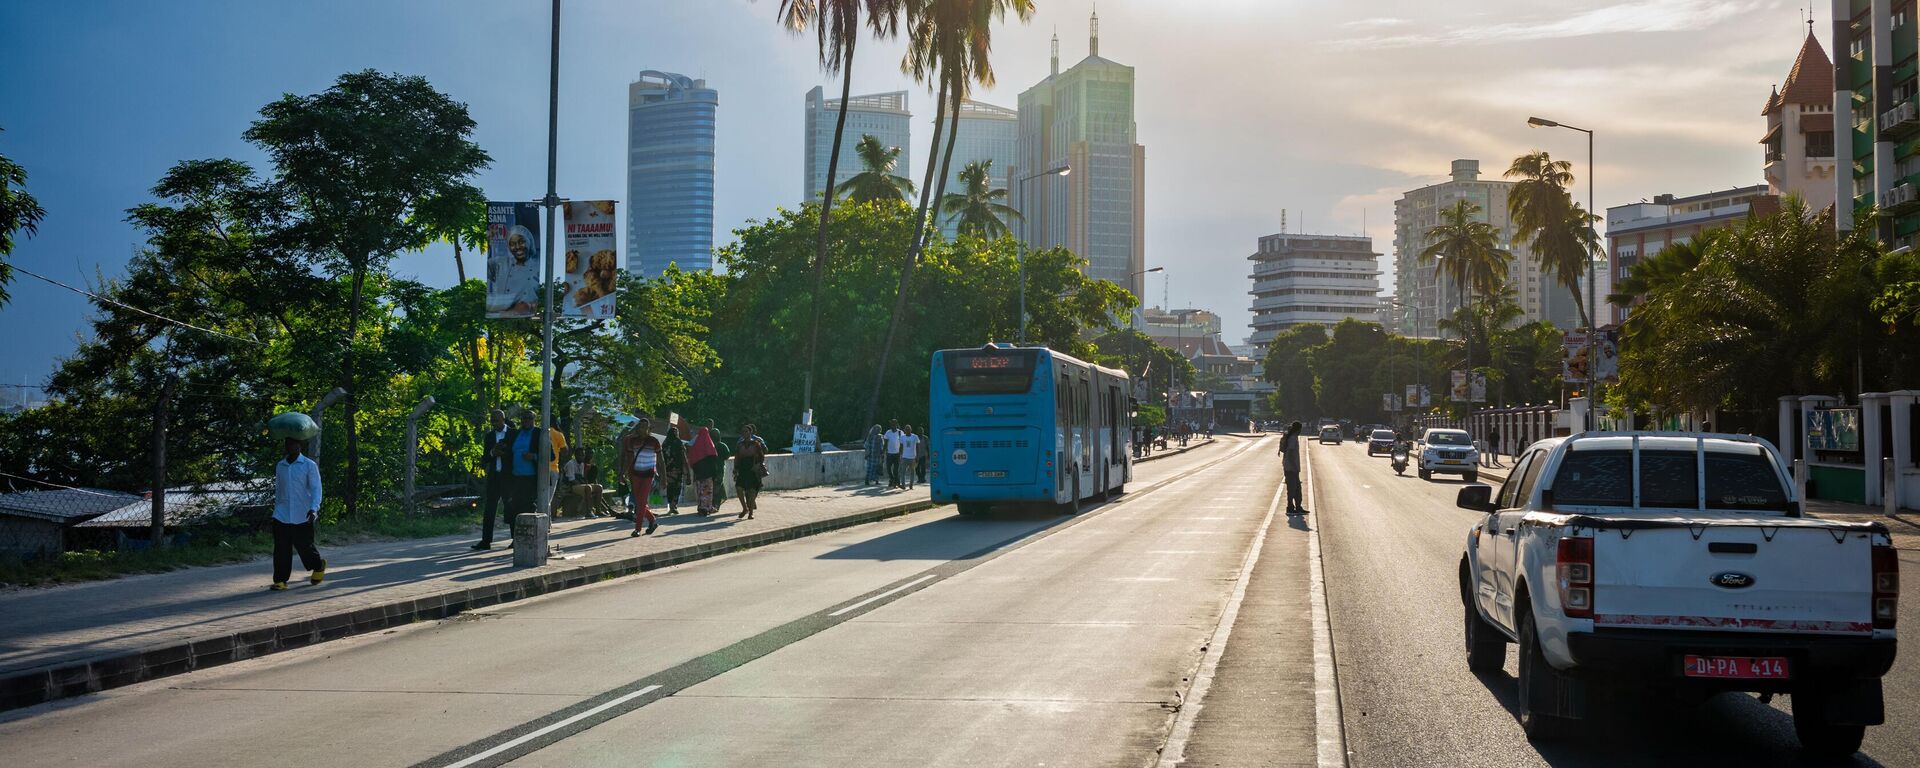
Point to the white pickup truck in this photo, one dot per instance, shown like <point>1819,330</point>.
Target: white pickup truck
<point>1679,562</point>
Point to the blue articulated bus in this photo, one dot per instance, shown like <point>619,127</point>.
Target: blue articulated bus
<point>1026,425</point>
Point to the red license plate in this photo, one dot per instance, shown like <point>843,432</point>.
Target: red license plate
<point>1736,667</point>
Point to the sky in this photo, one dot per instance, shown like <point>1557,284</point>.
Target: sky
<point>1328,109</point>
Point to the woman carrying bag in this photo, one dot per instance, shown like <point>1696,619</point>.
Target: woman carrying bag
<point>644,466</point>
<point>749,468</point>
<point>707,466</point>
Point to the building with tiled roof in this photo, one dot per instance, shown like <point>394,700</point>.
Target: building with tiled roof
<point>1798,148</point>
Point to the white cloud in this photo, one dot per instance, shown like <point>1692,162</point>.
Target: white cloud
<point>1638,16</point>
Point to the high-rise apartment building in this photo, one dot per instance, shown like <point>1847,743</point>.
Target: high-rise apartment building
<point>1874,89</point>
<point>1425,294</point>
<point>670,121</point>
<point>1312,279</point>
<point>987,133</point>
<point>1082,119</point>
<point>1798,146</point>
<point>883,116</point>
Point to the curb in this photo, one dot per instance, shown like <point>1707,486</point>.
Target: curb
<point>1173,452</point>
<point>36,686</point>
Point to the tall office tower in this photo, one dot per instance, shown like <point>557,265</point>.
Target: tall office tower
<point>1082,119</point>
<point>881,115</point>
<point>1312,279</point>
<point>1426,296</point>
<point>670,121</point>
<point>986,133</point>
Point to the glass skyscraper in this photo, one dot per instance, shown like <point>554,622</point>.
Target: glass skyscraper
<point>1083,119</point>
<point>986,133</point>
<point>882,115</point>
<point>670,122</point>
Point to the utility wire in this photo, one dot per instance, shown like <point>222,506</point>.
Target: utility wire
<point>98,297</point>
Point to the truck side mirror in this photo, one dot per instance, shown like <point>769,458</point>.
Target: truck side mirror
<point>1477,497</point>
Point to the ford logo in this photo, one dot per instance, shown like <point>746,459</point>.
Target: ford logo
<point>1732,580</point>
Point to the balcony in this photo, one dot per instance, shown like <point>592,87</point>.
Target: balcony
<point>1899,122</point>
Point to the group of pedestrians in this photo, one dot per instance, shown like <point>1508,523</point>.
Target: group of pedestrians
<point>700,457</point>
<point>899,451</point>
<point>510,461</point>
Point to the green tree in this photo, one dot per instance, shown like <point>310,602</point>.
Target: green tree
<point>836,26</point>
<point>367,166</point>
<point>1289,366</point>
<point>1468,251</point>
<point>19,212</point>
<point>876,179</point>
<point>978,209</point>
<point>1143,359</point>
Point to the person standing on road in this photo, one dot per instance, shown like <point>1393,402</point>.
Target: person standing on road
<point>749,469</point>
<point>876,448</point>
<point>1290,465</point>
<point>892,438</point>
<point>644,465</point>
<point>494,464</point>
<point>706,463</point>
<point>296,508</point>
<point>909,455</point>
<point>673,467</point>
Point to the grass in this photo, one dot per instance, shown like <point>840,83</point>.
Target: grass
<point>220,544</point>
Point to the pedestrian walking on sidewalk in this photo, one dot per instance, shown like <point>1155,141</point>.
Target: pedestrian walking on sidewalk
<point>749,469</point>
<point>296,509</point>
<point>1290,465</point>
<point>495,465</point>
<point>706,463</point>
<point>1493,445</point>
<point>721,449</point>
<point>876,448</point>
<point>644,465</point>
<point>674,472</point>
<point>909,455</point>
<point>892,439</point>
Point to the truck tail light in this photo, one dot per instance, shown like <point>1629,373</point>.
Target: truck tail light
<point>1575,561</point>
<point>1886,586</point>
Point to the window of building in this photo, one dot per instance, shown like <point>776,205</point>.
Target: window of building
<point>1820,144</point>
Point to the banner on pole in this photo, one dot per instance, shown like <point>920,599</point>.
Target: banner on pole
<point>1477,386</point>
<point>1459,389</point>
<point>513,260</point>
<point>592,260</point>
<point>1413,396</point>
<point>1386,402</point>
<point>1573,357</point>
<point>1426,396</point>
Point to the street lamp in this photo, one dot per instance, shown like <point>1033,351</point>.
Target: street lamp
<point>1022,253</point>
<point>1593,310</point>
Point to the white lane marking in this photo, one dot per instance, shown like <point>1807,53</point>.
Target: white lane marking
<point>483,756</point>
<point>883,595</point>
<point>1175,750</point>
<point>1140,578</point>
<point>1329,730</point>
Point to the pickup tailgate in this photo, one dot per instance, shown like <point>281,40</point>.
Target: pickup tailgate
<point>1797,576</point>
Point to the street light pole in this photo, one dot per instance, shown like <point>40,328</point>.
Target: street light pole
<point>1593,311</point>
<point>1022,253</point>
<point>552,202</point>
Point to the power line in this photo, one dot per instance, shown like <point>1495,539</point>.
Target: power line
<point>98,297</point>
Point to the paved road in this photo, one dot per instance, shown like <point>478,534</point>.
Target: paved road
<point>1025,639</point>
<point>1391,546</point>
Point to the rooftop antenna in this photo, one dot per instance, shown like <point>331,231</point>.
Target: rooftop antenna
<point>1283,221</point>
<point>1093,37</point>
<point>1056,50</point>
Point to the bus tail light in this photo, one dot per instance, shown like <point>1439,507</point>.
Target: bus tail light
<point>1886,586</point>
<point>1575,563</point>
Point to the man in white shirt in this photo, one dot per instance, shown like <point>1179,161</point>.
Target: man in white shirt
<point>296,507</point>
<point>892,437</point>
<point>909,454</point>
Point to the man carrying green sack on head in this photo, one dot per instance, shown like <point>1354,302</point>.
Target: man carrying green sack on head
<point>296,501</point>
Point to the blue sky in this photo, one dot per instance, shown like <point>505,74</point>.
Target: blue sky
<point>1246,107</point>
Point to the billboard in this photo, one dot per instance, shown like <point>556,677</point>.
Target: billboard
<point>1426,396</point>
<point>1459,389</point>
<point>1413,396</point>
<point>1573,357</point>
<point>513,260</point>
<point>592,262</point>
<point>1477,387</point>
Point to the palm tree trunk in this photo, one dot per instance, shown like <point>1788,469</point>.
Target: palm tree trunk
<point>826,208</point>
<point>913,255</point>
<point>459,262</point>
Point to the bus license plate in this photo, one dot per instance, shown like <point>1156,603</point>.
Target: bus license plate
<point>991,473</point>
<point>1737,667</point>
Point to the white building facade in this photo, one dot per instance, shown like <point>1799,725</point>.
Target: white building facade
<point>1312,279</point>
<point>883,116</point>
<point>987,133</point>
<point>1425,295</point>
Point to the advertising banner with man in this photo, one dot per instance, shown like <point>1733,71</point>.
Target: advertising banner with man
<point>1573,359</point>
<point>513,260</point>
<point>592,262</point>
<point>1477,386</point>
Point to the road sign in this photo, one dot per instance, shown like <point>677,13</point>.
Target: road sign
<point>806,438</point>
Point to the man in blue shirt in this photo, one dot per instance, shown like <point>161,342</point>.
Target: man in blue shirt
<point>296,507</point>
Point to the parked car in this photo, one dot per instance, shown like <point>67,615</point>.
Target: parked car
<point>1681,564</point>
<point>1330,434</point>
<point>1448,452</point>
<point>1380,441</point>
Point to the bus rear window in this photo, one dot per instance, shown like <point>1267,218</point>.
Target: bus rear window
<point>990,372</point>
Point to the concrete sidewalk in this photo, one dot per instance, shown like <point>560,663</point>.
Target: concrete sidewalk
<point>68,640</point>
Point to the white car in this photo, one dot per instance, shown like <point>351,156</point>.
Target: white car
<point>1679,563</point>
<point>1448,452</point>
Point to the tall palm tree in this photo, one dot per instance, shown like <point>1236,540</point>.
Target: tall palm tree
<point>1469,252</point>
<point>876,179</point>
<point>836,25</point>
<point>1546,218</point>
<point>950,41</point>
<point>978,209</point>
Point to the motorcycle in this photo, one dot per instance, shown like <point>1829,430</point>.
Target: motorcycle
<point>1399,455</point>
